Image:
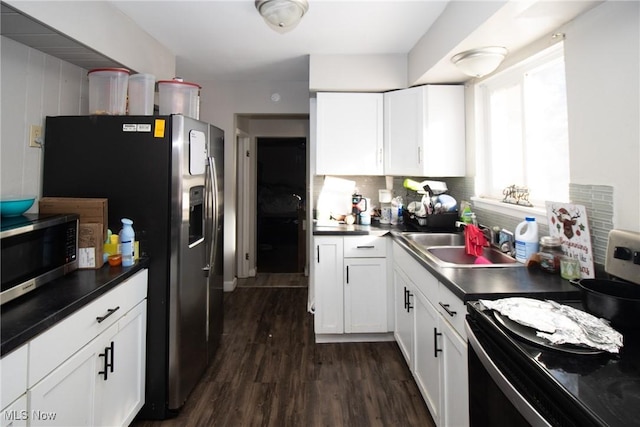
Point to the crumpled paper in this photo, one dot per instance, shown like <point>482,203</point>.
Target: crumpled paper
<point>559,324</point>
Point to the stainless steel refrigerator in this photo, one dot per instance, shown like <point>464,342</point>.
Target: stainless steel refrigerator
<point>166,174</point>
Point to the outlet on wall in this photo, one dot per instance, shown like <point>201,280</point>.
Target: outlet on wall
<point>35,136</point>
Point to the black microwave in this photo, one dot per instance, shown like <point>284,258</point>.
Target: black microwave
<point>36,249</point>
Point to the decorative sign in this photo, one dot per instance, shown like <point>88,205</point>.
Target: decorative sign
<point>569,222</point>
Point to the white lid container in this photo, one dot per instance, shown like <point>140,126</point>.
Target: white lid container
<point>108,91</point>
<point>178,97</point>
<point>141,94</point>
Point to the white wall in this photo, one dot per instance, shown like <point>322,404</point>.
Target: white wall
<point>34,85</point>
<point>602,54</point>
<point>220,105</point>
<point>357,73</point>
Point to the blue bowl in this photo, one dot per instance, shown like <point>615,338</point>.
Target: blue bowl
<point>16,206</point>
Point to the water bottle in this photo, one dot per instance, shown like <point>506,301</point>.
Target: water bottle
<point>526,237</point>
<point>127,239</point>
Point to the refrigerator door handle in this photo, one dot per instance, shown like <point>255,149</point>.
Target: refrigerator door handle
<point>211,193</point>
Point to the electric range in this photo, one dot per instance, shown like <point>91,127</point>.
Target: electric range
<point>515,379</point>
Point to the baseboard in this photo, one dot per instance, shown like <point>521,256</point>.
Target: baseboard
<point>377,337</point>
<point>230,285</point>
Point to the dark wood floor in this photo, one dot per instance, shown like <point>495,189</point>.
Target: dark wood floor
<point>270,372</point>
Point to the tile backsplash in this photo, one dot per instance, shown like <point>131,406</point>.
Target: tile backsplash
<point>597,199</point>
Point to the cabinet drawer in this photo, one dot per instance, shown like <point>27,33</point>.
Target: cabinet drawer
<point>54,346</point>
<point>453,309</point>
<point>13,373</point>
<point>365,247</point>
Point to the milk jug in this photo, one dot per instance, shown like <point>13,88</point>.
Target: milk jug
<point>526,237</point>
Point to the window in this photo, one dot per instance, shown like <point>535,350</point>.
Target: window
<point>523,138</point>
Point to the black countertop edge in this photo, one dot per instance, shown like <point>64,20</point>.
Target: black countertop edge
<point>357,229</point>
<point>470,284</point>
<point>29,315</point>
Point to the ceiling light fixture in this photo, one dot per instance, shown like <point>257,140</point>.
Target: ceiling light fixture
<point>282,13</point>
<point>480,62</point>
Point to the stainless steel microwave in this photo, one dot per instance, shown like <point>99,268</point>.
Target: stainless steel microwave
<point>36,249</point>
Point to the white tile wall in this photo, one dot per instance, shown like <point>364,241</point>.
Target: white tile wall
<point>33,85</point>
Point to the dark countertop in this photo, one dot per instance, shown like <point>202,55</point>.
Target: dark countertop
<point>31,314</point>
<point>471,284</point>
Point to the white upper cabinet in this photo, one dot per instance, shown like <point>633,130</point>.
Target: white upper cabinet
<point>424,131</point>
<point>349,134</point>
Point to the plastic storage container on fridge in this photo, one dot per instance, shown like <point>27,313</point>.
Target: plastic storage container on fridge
<point>108,91</point>
<point>178,97</point>
<point>141,94</point>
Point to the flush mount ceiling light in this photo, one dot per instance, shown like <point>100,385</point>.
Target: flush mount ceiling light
<point>282,13</point>
<point>480,62</point>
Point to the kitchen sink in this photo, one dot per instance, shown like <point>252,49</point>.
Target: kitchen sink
<point>435,239</point>
<point>447,250</point>
<point>456,256</point>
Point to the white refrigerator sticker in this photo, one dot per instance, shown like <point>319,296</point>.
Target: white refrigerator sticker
<point>129,127</point>
<point>197,152</point>
<point>145,127</point>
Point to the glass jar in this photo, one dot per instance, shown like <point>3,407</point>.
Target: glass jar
<point>550,253</point>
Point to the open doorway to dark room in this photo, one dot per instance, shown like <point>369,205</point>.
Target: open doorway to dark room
<point>281,205</point>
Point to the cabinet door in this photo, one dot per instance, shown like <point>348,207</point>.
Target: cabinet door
<point>349,134</point>
<point>328,285</point>
<point>404,309</point>
<point>120,396</point>
<point>443,152</point>
<point>428,354</point>
<point>15,415</point>
<point>365,295</point>
<point>454,409</point>
<point>68,393</point>
<point>403,132</point>
<point>424,129</point>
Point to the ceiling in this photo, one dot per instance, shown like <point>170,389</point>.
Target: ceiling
<point>229,40</point>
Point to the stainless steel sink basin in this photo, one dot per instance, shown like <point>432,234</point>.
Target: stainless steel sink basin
<point>435,239</point>
<point>447,250</point>
<point>456,256</point>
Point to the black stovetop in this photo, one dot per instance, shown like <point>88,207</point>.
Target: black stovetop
<point>606,387</point>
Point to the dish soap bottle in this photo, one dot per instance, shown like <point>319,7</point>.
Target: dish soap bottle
<point>127,239</point>
<point>526,237</point>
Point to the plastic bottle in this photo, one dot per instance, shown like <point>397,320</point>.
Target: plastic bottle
<point>127,239</point>
<point>526,237</point>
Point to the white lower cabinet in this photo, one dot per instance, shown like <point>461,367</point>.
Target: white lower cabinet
<point>350,285</point>
<point>404,298</point>
<point>429,337</point>
<point>16,414</point>
<point>365,295</point>
<point>100,382</point>
<point>427,357</point>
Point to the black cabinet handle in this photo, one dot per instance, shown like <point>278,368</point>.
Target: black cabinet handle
<point>406,298</point>
<point>436,350</point>
<point>109,313</point>
<point>108,365</point>
<point>318,248</point>
<point>409,306</point>
<point>347,274</point>
<point>365,247</point>
<point>446,308</point>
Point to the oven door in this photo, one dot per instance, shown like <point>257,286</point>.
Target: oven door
<point>493,399</point>
<point>506,387</point>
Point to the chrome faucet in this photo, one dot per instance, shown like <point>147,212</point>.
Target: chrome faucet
<point>507,242</point>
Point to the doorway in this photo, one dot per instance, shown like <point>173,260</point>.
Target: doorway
<point>281,189</point>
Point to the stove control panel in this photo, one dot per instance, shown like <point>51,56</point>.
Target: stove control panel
<point>623,255</point>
